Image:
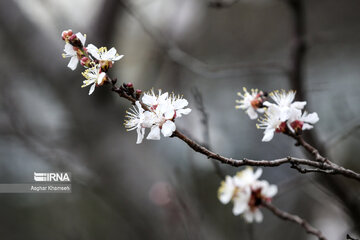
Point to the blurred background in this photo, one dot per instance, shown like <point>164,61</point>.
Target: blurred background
<point>206,50</point>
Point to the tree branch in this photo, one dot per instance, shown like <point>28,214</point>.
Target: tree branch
<point>294,218</point>
<point>323,165</point>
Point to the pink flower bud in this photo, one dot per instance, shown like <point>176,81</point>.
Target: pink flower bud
<point>72,37</point>
<point>84,61</point>
<point>66,34</point>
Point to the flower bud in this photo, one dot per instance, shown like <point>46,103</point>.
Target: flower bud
<point>138,93</point>
<point>85,61</point>
<point>66,34</point>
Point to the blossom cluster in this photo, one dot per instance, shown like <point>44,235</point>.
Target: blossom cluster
<point>284,115</point>
<point>247,193</point>
<point>155,111</point>
<point>97,61</point>
<point>159,115</point>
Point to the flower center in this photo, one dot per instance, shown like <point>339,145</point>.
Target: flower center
<point>281,128</point>
<point>297,126</point>
<point>255,199</point>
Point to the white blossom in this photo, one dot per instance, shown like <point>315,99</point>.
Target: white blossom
<point>178,104</point>
<point>153,100</point>
<point>251,102</point>
<point>302,121</point>
<point>138,119</point>
<point>94,76</point>
<point>163,122</point>
<point>72,52</point>
<point>166,109</point>
<point>284,101</point>
<point>246,192</point>
<point>247,176</point>
<point>271,122</point>
<point>160,114</point>
<point>226,190</point>
<point>102,54</point>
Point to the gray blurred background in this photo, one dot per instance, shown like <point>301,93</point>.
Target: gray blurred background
<point>162,189</point>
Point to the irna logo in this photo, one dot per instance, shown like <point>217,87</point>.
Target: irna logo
<point>51,177</point>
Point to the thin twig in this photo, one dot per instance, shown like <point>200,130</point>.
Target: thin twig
<point>248,162</point>
<point>199,103</point>
<point>296,219</point>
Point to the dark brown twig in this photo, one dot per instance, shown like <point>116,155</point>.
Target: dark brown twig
<point>296,219</point>
<point>248,162</point>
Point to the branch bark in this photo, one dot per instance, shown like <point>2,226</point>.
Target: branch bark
<point>323,165</point>
<point>296,219</point>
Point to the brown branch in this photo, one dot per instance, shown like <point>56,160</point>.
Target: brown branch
<point>297,60</point>
<point>323,165</point>
<point>296,219</point>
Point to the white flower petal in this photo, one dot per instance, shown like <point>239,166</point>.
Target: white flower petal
<point>111,53</point>
<point>140,134</point>
<point>270,191</point>
<point>252,113</point>
<point>180,112</point>
<point>116,58</point>
<point>168,128</point>
<point>73,63</point>
<point>169,114</point>
<point>239,207</point>
<point>298,105</point>
<point>69,50</point>
<point>248,216</point>
<point>93,50</point>
<point>311,118</point>
<point>307,126</point>
<point>81,37</point>
<point>101,77</point>
<point>258,215</point>
<point>226,190</point>
<point>92,89</point>
<point>180,103</point>
<point>268,104</point>
<point>268,135</point>
<point>154,133</point>
<point>258,173</point>
<point>149,100</point>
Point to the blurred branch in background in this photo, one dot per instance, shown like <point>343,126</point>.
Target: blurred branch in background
<point>195,65</point>
<point>222,3</point>
<point>297,81</point>
<point>296,219</point>
<point>199,104</point>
